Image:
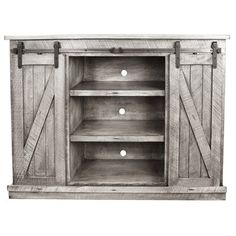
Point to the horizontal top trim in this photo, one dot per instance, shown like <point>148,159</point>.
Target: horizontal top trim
<point>118,36</point>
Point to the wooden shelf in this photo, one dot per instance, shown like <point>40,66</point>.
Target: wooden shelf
<point>131,88</point>
<point>120,172</point>
<point>119,131</point>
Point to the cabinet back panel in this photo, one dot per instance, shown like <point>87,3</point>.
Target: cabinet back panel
<point>135,108</point>
<point>138,68</point>
<point>112,151</point>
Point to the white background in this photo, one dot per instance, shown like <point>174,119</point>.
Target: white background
<point>68,217</point>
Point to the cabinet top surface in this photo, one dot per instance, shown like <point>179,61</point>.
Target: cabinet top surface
<point>119,36</point>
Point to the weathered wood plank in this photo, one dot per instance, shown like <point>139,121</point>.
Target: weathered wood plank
<point>17,119</point>
<point>136,108</point>
<point>37,126</point>
<point>206,108</point>
<point>117,36</point>
<point>134,151</point>
<point>218,75</point>
<point>184,135</point>
<point>120,172</point>
<point>152,131</point>
<point>116,192</point>
<point>32,59</point>
<point>50,133</point>
<point>195,123</point>
<point>166,144</point>
<point>60,132</point>
<point>39,154</point>
<point>222,118</point>
<point>194,182</point>
<point>124,88</point>
<point>138,69</point>
<point>199,59</point>
<point>173,121</point>
<point>28,83</point>
<point>195,86</point>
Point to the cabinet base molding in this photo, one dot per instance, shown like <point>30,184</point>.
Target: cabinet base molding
<point>115,192</point>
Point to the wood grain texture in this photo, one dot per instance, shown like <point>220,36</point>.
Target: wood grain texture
<point>195,124</point>
<point>120,172</point>
<point>116,131</point>
<point>206,108</point>
<point>60,132</point>
<point>17,120</point>
<point>28,97</point>
<point>174,109</point>
<point>118,36</point>
<point>39,152</point>
<point>117,192</point>
<point>166,144</point>
<point>34,59</point>
<point>119,89</point>
<point>134,151</point>
<point>136,108</point>
<point>37,126</point>
<point>50,133</point>
<point>218,75</point>
<point>184,135</point>
<point>78,46</point>
<point>199,59</point>
<point>138,69</point>
<point>195,88</point>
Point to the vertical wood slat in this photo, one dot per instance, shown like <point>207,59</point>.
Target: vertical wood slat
<point>17,119</point>
<point>28,83</point>
<point>195,88</point>
<point>206,108</point>
<point>218,75</point>
<point>49,133</point>
<point>39,153</point>
<point>222,116</point>
<point>173,121</point>
<point>60,132</point>
<point>184,134</point>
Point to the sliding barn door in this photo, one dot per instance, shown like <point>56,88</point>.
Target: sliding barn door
<point>196,120</point>
<point>38,113</point>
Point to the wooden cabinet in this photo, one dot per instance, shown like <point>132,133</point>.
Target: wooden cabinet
<point>118,117</point>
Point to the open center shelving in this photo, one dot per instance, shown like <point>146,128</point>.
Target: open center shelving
<point>117,120</point>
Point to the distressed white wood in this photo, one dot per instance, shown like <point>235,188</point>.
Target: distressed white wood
<point>35,59</point>
<point>60,132</point>
<point>118,36</point>
<point>37,126</point>
<point>83,124</point>
<point>116,192</point>
<point>174,109</point>
<point>195,123</point>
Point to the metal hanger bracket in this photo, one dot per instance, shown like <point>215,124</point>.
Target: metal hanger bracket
<point>215,51</point>
<point>177,54</point>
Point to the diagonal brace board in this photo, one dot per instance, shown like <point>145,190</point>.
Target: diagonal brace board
<point>38,123</point>
<point>195,123</point>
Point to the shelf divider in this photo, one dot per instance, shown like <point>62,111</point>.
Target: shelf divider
<point>123,88</point>
<point>119,131</point>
